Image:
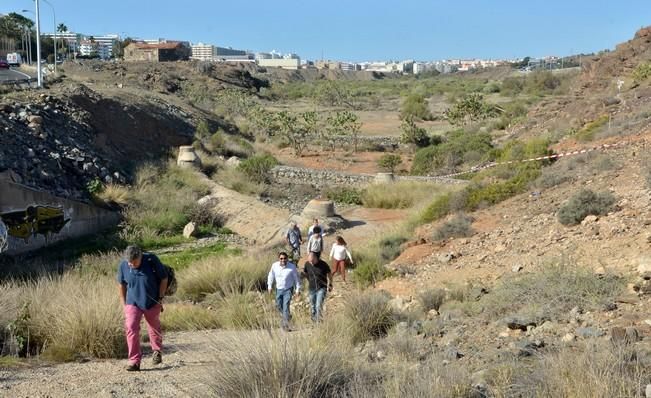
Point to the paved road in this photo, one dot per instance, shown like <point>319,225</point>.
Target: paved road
<point>13,75</point>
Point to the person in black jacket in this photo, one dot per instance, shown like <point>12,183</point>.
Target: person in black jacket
<point>319,278</point>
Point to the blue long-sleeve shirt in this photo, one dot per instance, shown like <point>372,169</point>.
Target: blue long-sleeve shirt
<point>284,277</point>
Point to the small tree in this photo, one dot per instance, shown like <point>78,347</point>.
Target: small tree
<point>333,93</point>
<point>469,109</point>
<point>342,124</point>
<point>292,131</point>
<point>412,134</point>
<point>389,162</point>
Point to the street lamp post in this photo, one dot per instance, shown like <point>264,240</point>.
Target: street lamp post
<point>28,33</point>
<point>54,17</point>
<point>39,72</point>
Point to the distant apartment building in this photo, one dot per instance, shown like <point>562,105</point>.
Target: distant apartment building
<point>389,66</point>
<point>208,52</point>
<point>203,52</point>
<point>284,63</point>
<point>275,59</point>
<point>70,38</point>
<point>157,52</point>
<point>88,45</point>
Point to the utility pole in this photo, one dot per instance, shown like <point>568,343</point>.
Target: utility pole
<point>39,72</point>
<point>54,16</point>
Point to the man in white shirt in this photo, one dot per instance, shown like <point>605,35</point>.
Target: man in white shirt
<point>284,274</point>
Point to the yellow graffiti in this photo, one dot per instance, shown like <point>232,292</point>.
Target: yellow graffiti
<point>34,220</point>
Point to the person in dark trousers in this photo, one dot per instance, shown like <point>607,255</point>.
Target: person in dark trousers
<point>285,275</point>
<point>142,282</point>
<point>319,280</point>
<point>294,240</point>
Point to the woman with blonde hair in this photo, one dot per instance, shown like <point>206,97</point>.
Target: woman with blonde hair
<point>339,253</point>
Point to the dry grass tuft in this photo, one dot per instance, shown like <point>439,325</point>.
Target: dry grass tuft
<point>184,316</point>
<point>399,195</point>
<point>224,275</point>
<point>75,315</point>
<point>114,194</point>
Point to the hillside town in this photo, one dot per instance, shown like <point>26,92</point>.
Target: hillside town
<point>111,46</point>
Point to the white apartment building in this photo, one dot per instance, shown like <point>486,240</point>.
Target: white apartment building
<point>203,52</point>
<point>284,63</point>
<point>208,52</point>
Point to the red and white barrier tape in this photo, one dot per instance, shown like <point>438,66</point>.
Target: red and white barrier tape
<point>554,156</point>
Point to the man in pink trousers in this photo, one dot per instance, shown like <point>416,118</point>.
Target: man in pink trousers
<point>142,282</point>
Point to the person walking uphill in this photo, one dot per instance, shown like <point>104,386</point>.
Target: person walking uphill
<point>315,243</point>
<point>319,280</point>
<point>142,282</point>
<point>339,254</point>
<point>284,274</point>
<point>294,240</point>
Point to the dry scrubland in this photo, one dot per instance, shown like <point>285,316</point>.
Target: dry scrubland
<point>538,333</point>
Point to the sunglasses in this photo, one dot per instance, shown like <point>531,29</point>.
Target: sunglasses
<point>282,258</point>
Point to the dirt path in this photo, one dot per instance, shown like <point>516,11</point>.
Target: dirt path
<point>186,354</point>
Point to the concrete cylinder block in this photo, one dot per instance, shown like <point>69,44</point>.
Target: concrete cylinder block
<point>319,208</point>
<point>384,178</point>
<point>187,157</point>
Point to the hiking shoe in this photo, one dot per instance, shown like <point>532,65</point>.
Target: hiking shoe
<point>134,367</point>
<point>157,358</point>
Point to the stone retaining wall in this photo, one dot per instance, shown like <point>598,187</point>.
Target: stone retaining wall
<point>321,178</point>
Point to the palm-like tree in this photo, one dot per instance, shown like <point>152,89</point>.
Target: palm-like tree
<point>62,28</point>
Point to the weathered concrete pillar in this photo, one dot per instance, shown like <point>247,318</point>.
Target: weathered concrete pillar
<point>319,208</point>
<point>187,157</point>
<point>384,178</point>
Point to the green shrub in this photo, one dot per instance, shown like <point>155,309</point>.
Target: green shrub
<point>451,153</point>
<point>588,132</point>
<point>542,82</point>
<point>390,247</point>
<point>457,227</point>
<point>642,72</point>
<point>163,199</point>
<point>512,86</point>
<point>415,105</point>
<point>370,316</point>
<point>439,208</point>
<point>432,299</point>
<point>368,271</point>
<point>584,203</point>
<point>350,196</point>
<point>182,259</point>
<point>257,168</point>
<point>412,134</point>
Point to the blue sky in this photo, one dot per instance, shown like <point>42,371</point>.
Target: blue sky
<point>359,30</point>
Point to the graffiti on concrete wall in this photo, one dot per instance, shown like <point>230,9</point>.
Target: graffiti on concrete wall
<point>34,220</point>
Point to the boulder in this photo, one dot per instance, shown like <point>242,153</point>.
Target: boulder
<point>233,162</point>
<point>190,230</point>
